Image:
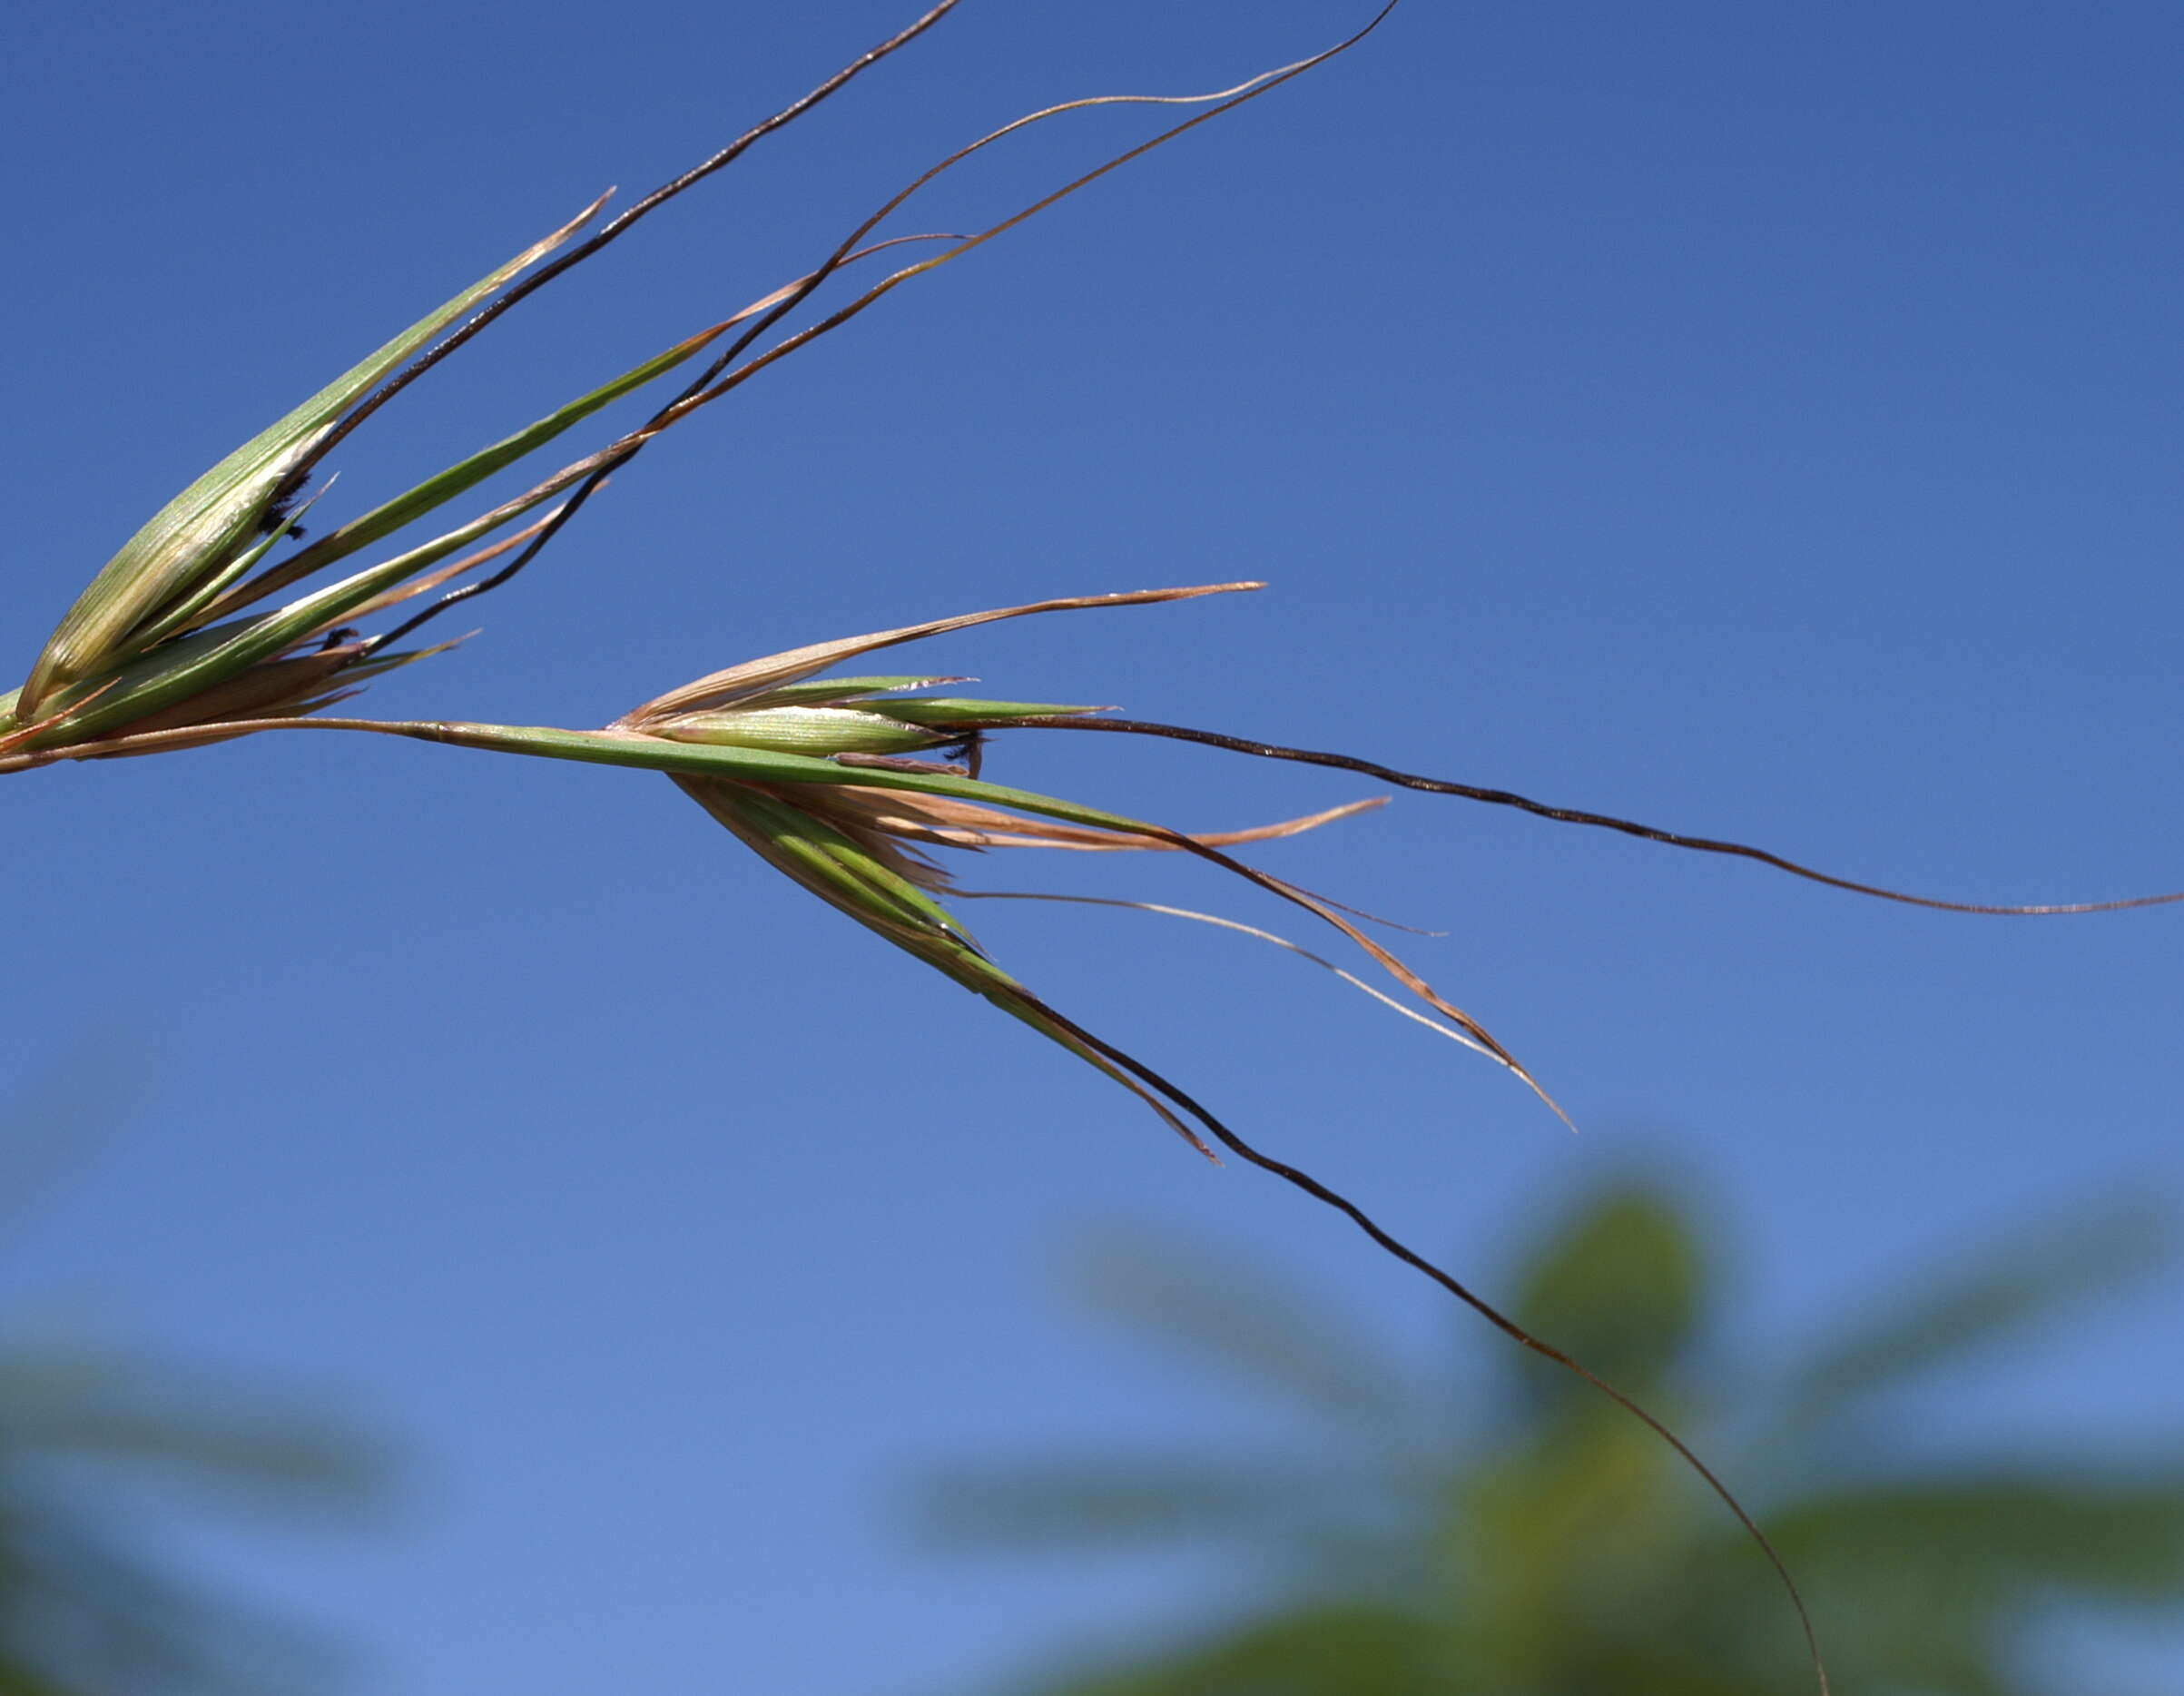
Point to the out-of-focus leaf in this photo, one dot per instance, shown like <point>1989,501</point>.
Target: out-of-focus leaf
<point>1335,1650</point>
<point>2001,1536</point>
<point>1241,1318</point>
<point>1619,1289</point>
<point>2028,1280</point>
<point>86,1619</point>
<point>1119,1503</point>
<point>79,1612</point>
<point>83,1434</point>
<point>80,1406</point>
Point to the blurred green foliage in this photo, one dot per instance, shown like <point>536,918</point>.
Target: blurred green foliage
<point>1532,1539</point>
<point>85,1610</point>
<point>92,1438</point>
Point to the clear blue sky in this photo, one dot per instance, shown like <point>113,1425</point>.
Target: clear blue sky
<point>1760,421</point>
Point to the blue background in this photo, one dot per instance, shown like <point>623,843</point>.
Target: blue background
<point>1761,422</point>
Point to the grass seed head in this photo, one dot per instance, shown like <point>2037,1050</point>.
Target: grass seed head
<point>216,529</point>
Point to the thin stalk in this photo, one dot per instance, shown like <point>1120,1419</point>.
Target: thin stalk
<point>1566,815</point>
